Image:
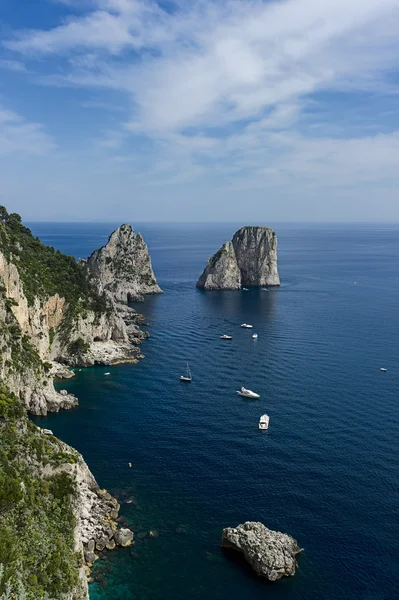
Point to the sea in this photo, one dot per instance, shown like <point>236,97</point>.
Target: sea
<point>326,471</point>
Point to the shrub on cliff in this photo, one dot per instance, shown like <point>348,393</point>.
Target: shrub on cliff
<point>45,271</point>
<point>37,558</point>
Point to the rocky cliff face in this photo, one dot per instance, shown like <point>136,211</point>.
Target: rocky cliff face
<point>123,266</point>
<point>54,519</point>
<point>250,259</point>
<point>80,325</point>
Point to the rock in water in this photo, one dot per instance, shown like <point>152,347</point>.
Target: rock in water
<point>123,537</point>
<point>123,266</point>
<point>221,271</point>
<point>250,259</point>
<point>270,553</point>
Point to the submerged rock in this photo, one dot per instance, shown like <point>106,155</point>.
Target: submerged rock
<point>270,553</point>
<point>123,266</point>
<point>250,259</point>
<point>123,537</point>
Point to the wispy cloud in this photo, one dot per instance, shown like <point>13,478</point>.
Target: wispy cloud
<point>227,88</point>
<point>12,65</point>
<point>19,135</point>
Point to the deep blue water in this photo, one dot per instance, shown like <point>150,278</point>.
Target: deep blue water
<point>327,471</point>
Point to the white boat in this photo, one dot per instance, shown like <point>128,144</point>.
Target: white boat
<point>264,422</point>
<point>246,326</point>
<point>107,373</point>
<point>187,377</point>
<point>226,337</point>
<point>265,290</point>
<point>382,369</point>
<point>255,336</point>
<point>244,289</point>
<point>247,393</point>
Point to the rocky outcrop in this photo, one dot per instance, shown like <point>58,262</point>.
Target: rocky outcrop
<point>123,266</point>
<point>250,260</point>
<point>270,553</point>
<point>40,333</point>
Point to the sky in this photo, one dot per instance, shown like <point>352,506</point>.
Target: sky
<point>200,110</point>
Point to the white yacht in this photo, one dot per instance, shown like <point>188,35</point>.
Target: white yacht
<point>264,422</point>
<point>246,326</point>
<point>226,337</point>
<point>187,377</point>
<point>247,393</point>
<point>244,289</point>
<point>255,336</point>
<point>382,369</point>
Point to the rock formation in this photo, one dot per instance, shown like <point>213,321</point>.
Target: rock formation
<point>45,320</point>
<point>270,553</point>
<point>52,313</point>
<point>123,266</point>
<point>53,497</point>
<point>250,260</point>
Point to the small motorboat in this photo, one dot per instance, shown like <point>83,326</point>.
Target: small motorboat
<point>246,326</point>
<point>265,290</point>
<point>244,289</point>
<point>187,377</point>
<point>264,422</point>
<point>255,336</point>
<point>47,432</point>
<point>226,337</point>
<point>107,373</point>
<point>383,370</point>
<point>247,393</point>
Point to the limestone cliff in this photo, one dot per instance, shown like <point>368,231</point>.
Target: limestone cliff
<point>54,519</point>
<point>221,271</point>
<point>123,266</point>
<point>250,260</point>
<point>52,309</point>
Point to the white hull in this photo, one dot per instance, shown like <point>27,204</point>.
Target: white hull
<point>226,337</point>
<point>264,422</point>
<point>186,379</point>
<point>247,394</point>
<point>246,326</point>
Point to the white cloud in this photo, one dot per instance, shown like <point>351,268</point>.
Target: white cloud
<point>19,135</point>
<point>223,88</point>
<point>12,65</point>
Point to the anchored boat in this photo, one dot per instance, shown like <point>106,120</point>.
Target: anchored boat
<point>246,326</point>
<point>247,393</point>
<point>264,422</point>
<point>187,377</point>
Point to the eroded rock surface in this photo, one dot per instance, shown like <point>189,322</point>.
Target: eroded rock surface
<point>250,259</point>
<point>271,554</point>
<point>123,266</point>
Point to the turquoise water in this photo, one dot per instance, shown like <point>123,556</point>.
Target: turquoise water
<point>327,469</point>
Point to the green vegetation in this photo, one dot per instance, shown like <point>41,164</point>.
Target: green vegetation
<point>45,271</point>
<point>37,558</point>
<point>78,348</point>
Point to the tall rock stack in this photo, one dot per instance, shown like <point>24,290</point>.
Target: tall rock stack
<point>123,266</point>
<point>250,260</point>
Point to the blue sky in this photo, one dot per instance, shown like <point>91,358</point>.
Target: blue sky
<point>213,110</point>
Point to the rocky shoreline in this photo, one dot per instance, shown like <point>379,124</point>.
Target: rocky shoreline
<point>47,332</point>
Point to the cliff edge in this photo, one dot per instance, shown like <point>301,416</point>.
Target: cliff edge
<point>250,260</point>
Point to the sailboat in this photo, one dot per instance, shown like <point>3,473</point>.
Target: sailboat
<point>187,377</point>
